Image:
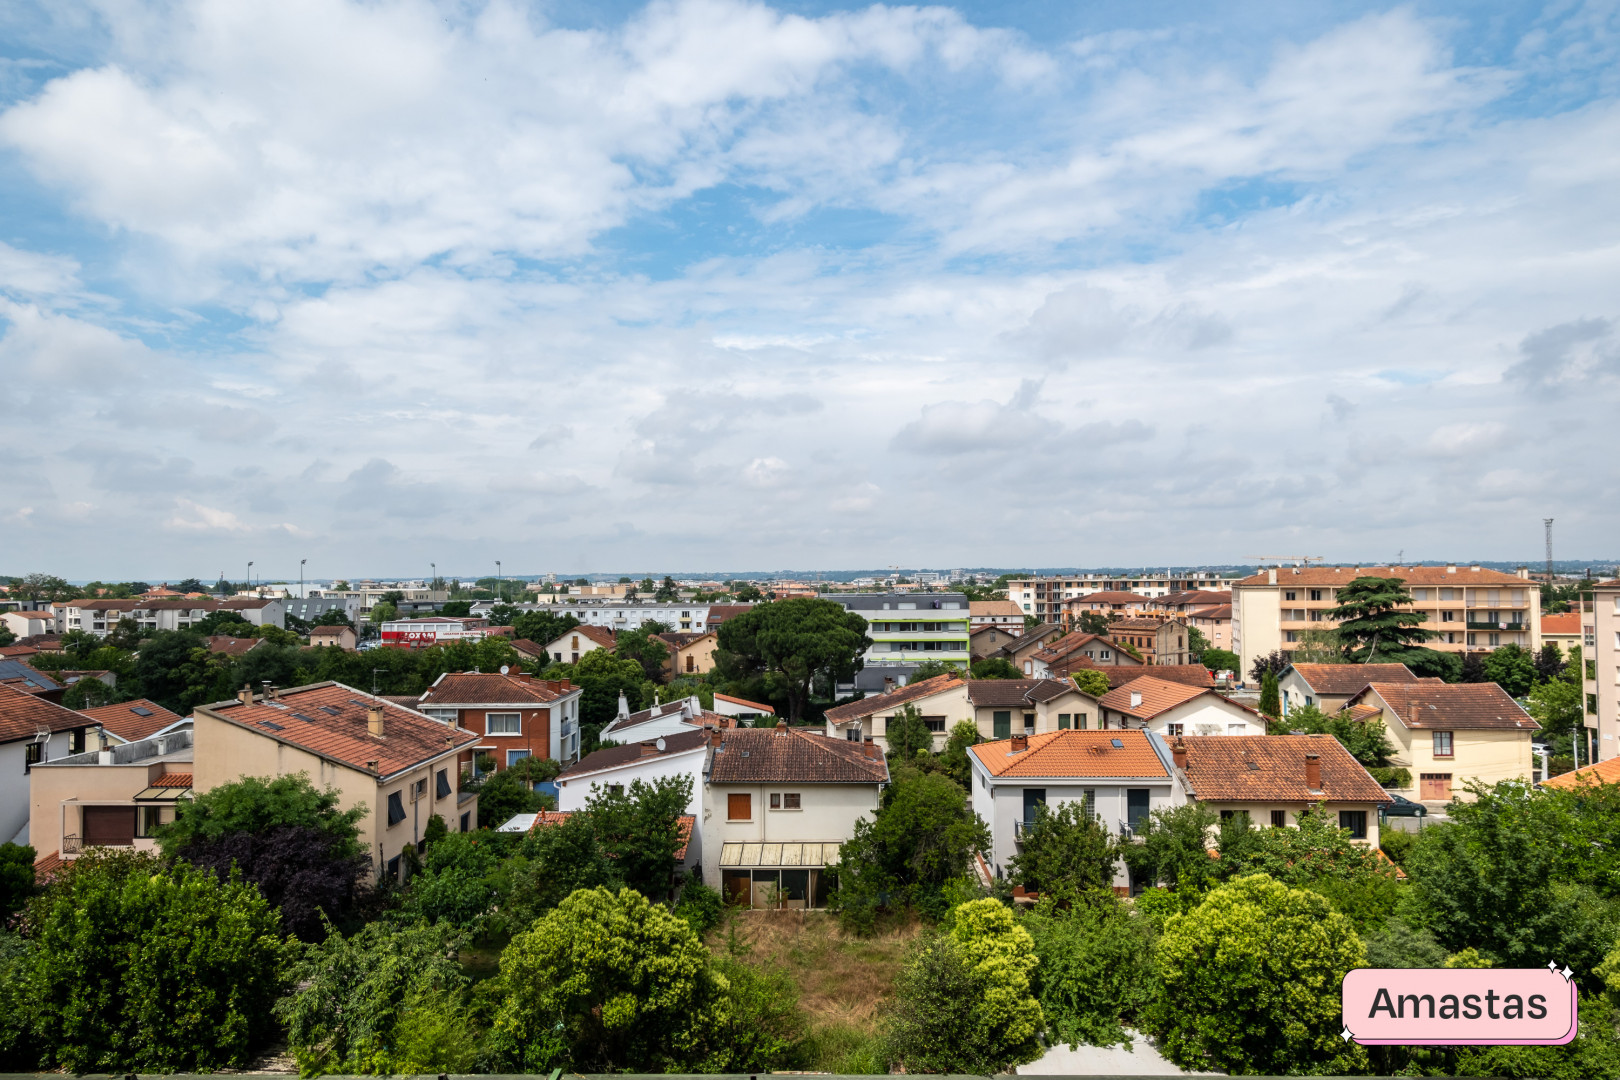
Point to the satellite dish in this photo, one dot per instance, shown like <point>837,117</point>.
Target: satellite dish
<point>660,744</point>
<point>505,668</point>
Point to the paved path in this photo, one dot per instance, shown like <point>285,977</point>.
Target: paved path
<point>1142,1059</point>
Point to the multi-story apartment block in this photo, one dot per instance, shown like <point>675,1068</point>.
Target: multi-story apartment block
<point>1045,595</point>
<point>1467,608</point>
<point>1158,639</point>
<point>909,628</point>
<point>100,617</point>
<point>1600,656</point>
<point>683,618</point>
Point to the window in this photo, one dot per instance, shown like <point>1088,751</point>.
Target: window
<point>1080,721</point>
<point>1279,818</point>
<point>1063,721</point>
<point>1448,616</point>
<point>739,807</point>
<point>935,723</point>
<point>1290,595</point>
<point>33,755</point>
<point>1033,797</point>
<point>503,723</point>
<point>785,800</point>
<point>419,789</point>
<point>396,809</point>
<point>515,756</point>
<point>393,868</point>
<point>1105,655</point>
<point>1088,799</point>
<point>442,790</point>
<point>1001,725</point>
<point>1173,730</point>
<point>151,818</point>
<point>1029,721</point>
<point>1591,703</point>
<point>1316,594</point>
<point>1236,729</point>
<point>1442,744</point>
<point>466,819</point>
<point>1355,821</point>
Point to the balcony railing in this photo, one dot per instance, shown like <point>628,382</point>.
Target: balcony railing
<point>71,845</point>
<point>1497,626</point>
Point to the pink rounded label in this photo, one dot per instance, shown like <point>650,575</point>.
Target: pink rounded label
<point>1459,1006</point>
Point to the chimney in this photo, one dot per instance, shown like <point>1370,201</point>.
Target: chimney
<point>1020,743</point>
<point>1451,569</point>
<point>781,727</point>
<point>567,685</point>
<point>1313,772</point>
<point>870,748</point>
<point>245,695</point>
<point>716,736</point>
<point>888,684</point>
<point>1178,752</point>
<point>1271,576</point>
<point>624,707</point>
<point>374,720</point>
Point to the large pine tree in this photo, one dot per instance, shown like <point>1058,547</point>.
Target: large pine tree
<point>1376,620</point>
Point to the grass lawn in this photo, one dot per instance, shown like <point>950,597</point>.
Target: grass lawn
<point>843,980</point>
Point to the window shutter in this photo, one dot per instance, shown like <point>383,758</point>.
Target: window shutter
<point>739,807</point>
<point>396,809</point>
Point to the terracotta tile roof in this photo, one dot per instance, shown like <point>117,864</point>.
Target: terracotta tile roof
<point>1033,639</point>
<point>88,604</point>
<point>330,631</point>
<point>683,827</point>
<point>1362,712</point>
<point>1271,768</point>
<point>1157,696</point>
<point>1074,753</point>
<point>854,710</point>
<point>233,646</point>
<point>17,652</point>
<point>1349,678</point>
<point>1451,706</point>
<point>719,613</point>
<point>792,756</point>
<point>1186,674</point>
<point>600,635</point>
<point>983,609</point>
<point>123,720</point>
<point>46,867</point>
<point>745,701</point>
<point>612,757</point>
<point>173,779</point>
<point>474,688</point>
<point>1214,611</point>
<point>1143,623</point>
<point>680,639</point>
<point>525,647</point>
<point>1564,622</point>
<point>983,692</point>
<point>23,714</point>
<point>330,720</point>
<point>1108,596</point>
<point>1412,575</point>
<point>1064,646</point>
<point>1604,772</point>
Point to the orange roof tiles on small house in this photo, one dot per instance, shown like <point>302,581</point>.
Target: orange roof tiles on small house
<point>1075,753</point>
<point>1588,776</point>
<point>867,706</point>
<point>1274,768</point>
<point>1561,624</point>
<point>761,706</point>
<point>1186,674</point>
<point>1429,703</point>
<point>1335,679</point>
<point>1147,697</point>
<point>132,720</point>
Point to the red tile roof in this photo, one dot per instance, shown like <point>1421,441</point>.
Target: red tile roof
<point>1604,772</point>
<point>599,635</point>
<point>122,719</point>
<point>1564,622</point>
<point>1412,575</point>
<point>46,867</point>
<point>1432,704</point>
<point>745,701</point>
<point>330,720</point>
<point>17,652</point>
<point>854,710</point>
<point>1349,678</point>
<point>330,630</point>
<point>526,647</point>
<point>792,756</point>
<point>23,714</point>
<point>233,646</point>
<point>1271,768</point>
<point>1187,674</point>
<point>173,779</point>
<point>992,692</point>
<point>1074,753</point>
<point>474,688</point>
<point>613,757</point>
<point>1158,695</point>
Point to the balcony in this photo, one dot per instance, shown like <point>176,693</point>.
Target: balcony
<point>1514,626</point>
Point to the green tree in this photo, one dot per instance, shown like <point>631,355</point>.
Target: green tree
<point>1550,661</point>
<point>543,627</point>
<point>16,878</point>
<point>1090,681</point>
<point>929,669</point>
<point>995,667</point>
<point>223,623</point>
<point>44,587</point>
<point>668,592</point>
<point>922,836</point>
<point>334,617</point>
<point>384,611</point>
<point>607,982</point>
<point>642,646</point>
<point>954,758</point>
<point>256,804</point>
<point>1068,850</point>
<point>1559,703</point>
<point>908,734</point>
<point>1376,620</point>
<point>137,969</point>
<point>1322,645</point>
<point>1250,982</point>
<point>1270,699</point>
<point>639,830</point>
<point>1196,644</point>
<point>790,643</point>
<point>1096,970</point>
<point>1221,660</point>
<point>502,794</point>
<point>1513,668</point>
<point>6,636</point>
<point>602,677</point>
<point>1092,622</point>
<point>1173,848</point>
<point>747,593</point>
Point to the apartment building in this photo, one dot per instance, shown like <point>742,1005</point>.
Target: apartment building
<point>100,617</point>
<point>1046,595</point>
<point>909,628</point>
<point>514,715</point>
<point>630,616</point>
<point>1468,608</point>
<point>1158,639</point>
<point>1600,656</point>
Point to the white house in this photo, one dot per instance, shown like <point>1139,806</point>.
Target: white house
<point>742,708</point>
<point>1121,776</point>
<point>1173,708</point>
<point>778,804</point>
<point>678,754</point>
<point>32,730</point>
<point>942,701</point>
<point>1330,687</point>
<point>568,648</point>
<point>669,718</point>
<point>29,623</point>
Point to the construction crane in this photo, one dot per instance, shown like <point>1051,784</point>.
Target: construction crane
<point>1297,560</point>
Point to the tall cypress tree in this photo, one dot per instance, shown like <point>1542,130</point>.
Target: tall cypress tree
<point>1270,697</point>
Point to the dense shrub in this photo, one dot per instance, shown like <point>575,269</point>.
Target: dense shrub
<point>1067,850</point>
<point>137,969</point>
<point>701,907</point>
<point>1096,969</point>
<point>16,878</point>
<point>303,872</point>
<point>1250,982</point>
<point>457,883</point>
<point>256,804</point>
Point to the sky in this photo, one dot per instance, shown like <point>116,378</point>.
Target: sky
<point>711,284</point>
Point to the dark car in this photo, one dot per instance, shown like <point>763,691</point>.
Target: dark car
<point>1404,808</point>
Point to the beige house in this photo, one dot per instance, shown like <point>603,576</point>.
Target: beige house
<point>942,701</point>
<point>989,640</point>
<point>334,637</point>
<point>109,796</point>
<point>400,765</point>
<point>582,639</point>
<point>1330,687</point>
<point>1156,638</point>
<point>1006,707</point>
<point>1173,709</point>
<point>1003,613</point>
<point>29,623</point>
<point>690,652</point>
<point>1447,734</point>
<point>1214,622</point>
<point>1562,629</point>
<point>1600,656</point>
<point>778,804</point>
<point>1273,778</point>
<point>1067,655</point>
<point>1467,607</point>
<point>1020,651</point>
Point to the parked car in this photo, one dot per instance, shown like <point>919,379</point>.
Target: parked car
<point>1404,808</point>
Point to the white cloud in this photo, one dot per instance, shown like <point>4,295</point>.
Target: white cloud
<point>194,516</point>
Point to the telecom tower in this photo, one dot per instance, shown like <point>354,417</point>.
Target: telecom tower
<point>1547,522</point>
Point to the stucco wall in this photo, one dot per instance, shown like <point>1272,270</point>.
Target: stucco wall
<point>828,814</point>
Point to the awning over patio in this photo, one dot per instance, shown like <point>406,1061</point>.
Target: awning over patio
<point>790,854</point>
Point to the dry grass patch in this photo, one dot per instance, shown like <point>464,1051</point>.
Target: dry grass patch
<point>843,979</point>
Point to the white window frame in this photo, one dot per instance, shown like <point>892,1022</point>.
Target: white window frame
<point>490,717</point>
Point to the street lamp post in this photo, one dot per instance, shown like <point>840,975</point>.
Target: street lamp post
<point>301,563</point>
<point>497,579</point>
<point>248,584</point>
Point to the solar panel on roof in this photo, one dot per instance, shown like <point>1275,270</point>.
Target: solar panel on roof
<point>1118,744</point>
<point>138,711</point>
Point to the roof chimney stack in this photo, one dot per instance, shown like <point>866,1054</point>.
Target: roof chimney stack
<point>624,707</point>
<point>716,736</point>
<point>1313,772</point>
<point>374,720</point>
<point>870,748</point>
<point>1178,751</point>
<point>1020,743</point>
<point>888,684</point>
<point>781,727</point>
<point>245,695</point>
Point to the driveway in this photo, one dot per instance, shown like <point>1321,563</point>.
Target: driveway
<point>1141,1060</point>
